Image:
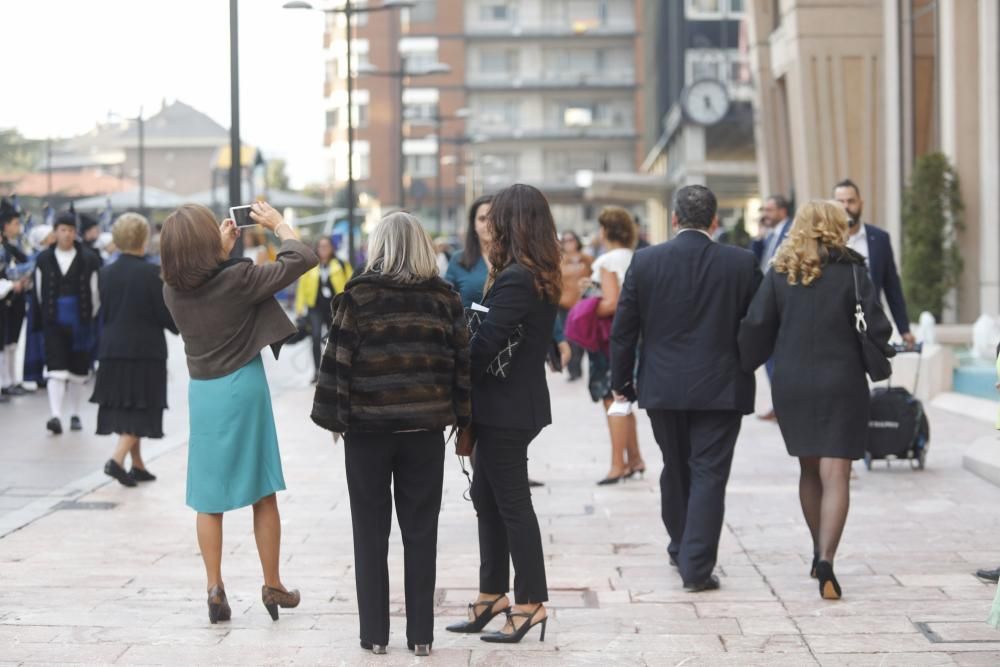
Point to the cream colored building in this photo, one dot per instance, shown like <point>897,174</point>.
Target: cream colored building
<point>860,88</point>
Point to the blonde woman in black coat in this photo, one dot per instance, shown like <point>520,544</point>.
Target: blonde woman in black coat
<point>804,314</point>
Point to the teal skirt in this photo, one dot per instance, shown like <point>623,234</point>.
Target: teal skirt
<point>233,458</point>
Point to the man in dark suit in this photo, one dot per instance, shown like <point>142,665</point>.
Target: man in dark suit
<point>684,301</point>
<point>777,221</point>
<point>875,246</point>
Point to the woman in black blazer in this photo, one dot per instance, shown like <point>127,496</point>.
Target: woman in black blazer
<point>131,386</point>
<point>507,414</point>
<point>804,314</point>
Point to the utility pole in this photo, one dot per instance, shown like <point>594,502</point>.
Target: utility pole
<point>234,110</point>
<point>142,164</point>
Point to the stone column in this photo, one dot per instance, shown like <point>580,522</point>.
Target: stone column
<point>989,158</point>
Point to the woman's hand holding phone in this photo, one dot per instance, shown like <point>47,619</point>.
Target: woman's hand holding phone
<point>230,232</point>
<point>266,216</point>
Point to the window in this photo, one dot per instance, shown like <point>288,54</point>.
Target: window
<point>499,61</point>
<point>714,9</point>
<point>727,65</point>
<point>332,119</point>
<point>495,11</point>
<point>361,114</point>
<point>424,10</point>
<point>421,166</point>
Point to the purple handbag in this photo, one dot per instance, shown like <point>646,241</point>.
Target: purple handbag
<point>586,329</point>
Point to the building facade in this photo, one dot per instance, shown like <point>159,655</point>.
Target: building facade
<point>862,89</point>
<point>691,42</point>
<point>540,91</point>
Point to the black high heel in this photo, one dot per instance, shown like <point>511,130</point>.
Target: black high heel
<point>218,605</point>
<point>519,632</point>
<point>641,472</point>
<point>612,480</point>
<point>479,620</point>
<point>829,587</point>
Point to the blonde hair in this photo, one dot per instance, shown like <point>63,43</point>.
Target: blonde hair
<point>401,249</point>
<point>130,232</point>
<point>819,226</point>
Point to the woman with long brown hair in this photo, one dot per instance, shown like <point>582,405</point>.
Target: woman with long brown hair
<point>508,413</point>
<point>804,312</point>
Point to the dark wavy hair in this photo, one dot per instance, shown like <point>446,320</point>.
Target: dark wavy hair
<point>472,252</point>
<point>524,233</point>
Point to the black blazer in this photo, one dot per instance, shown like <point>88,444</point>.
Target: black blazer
<point>885,277</point>
<point>133,315</point>
<point>819,387</point>
<point>686,298</point>
<point>522,400</point>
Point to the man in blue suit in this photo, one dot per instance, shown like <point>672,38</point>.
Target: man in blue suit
<point>778,221</point>
<point>875,246</point>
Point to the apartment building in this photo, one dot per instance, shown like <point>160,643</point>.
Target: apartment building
<point>539,91</point>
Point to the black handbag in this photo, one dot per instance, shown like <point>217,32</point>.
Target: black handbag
<point>500,366</point>
<point>876,362</point>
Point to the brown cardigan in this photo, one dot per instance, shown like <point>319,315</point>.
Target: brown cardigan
<point>231,317</point>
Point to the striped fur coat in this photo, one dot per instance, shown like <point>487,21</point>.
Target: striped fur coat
<point>397,359</point>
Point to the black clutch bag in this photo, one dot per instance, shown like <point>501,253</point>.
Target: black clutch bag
<point>876,361</point>
<point>500,366</point>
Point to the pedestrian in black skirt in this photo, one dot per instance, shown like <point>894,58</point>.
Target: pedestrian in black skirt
<point>131,387</point>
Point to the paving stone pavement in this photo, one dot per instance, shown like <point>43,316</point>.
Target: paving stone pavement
<point>124,585</point>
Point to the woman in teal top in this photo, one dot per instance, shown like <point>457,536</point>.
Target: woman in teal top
<point>468,269</point>
<point>226,313</point>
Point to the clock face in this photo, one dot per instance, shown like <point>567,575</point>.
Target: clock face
<point>706,102</point>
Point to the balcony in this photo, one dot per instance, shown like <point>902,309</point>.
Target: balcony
<point>581,30</point>
<point>550,79</point>
<point>553,133</point>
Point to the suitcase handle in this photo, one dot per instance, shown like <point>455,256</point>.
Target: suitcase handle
<point>903,348</point>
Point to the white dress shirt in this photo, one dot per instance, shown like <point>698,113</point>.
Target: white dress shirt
<point>859,242</point>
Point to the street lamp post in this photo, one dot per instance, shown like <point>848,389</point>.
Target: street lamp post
<point>439,120</point>
<point>234,109</point>
<point>348,11</point>
<point>401,74</point>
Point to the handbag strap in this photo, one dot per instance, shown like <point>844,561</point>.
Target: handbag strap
<point>860,324</point>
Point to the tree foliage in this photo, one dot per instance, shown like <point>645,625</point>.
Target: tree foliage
<point>932,216</point>
<point>18,153</point>
<point>277,177</point>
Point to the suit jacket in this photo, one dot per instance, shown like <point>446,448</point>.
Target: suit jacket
<point>759,246</point>
<point>885,277</point>
<point>133,313</point>
<point>682,302</point>
<point>522,400</point>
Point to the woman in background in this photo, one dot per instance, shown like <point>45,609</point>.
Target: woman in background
<point>315,292</point>
<point>618,235</point>
<point>226,313</point>
<point>131,385</point>
<point>576,266</point>
<point>468,270</point>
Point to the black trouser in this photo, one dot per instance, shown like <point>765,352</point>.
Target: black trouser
<point>697,455</point>
<point>508,528</point>
<point>318,319</point>
<point>414,464</point>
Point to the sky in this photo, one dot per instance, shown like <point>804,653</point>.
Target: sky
<point>67,64</point>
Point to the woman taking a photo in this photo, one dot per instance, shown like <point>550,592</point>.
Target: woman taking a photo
<point>395,374</point>
<point>507,414</point>
<point>226,313</point>
<point>131,386</point>
<point>468,270</point>
<point>315,291</point>
<point>804,312</point>
<point>618,235</point>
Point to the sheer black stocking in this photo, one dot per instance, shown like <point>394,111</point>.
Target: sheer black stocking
<point>824,492</point>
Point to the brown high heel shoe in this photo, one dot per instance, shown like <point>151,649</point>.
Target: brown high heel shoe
<point>275,597</point>
<point>218,605</point>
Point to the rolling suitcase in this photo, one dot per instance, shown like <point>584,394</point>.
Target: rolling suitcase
<point>897,425</point>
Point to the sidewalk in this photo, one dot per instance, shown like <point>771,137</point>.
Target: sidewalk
<point>115,577</point>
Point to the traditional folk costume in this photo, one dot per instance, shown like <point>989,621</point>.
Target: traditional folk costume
<point>13,263</point>
<point>68,298</point>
